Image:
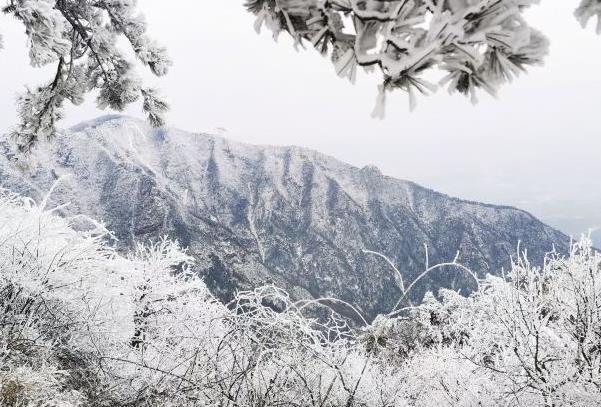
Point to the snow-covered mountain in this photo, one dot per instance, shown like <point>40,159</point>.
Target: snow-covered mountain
<point>252,215</point>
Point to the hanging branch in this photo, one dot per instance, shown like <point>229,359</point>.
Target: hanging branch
<point>81,38</point>
<point>478,44</point>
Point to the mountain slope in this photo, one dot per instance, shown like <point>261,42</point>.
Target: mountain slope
<point>252,215</point>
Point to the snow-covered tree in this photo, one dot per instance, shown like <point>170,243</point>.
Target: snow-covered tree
<point>475,44</point>
<point>80,38</point>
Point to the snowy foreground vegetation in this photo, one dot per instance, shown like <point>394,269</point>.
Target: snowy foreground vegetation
<point>84,326</point>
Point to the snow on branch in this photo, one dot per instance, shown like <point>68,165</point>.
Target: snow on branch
<point>478,44</point>
<point>79,38</point>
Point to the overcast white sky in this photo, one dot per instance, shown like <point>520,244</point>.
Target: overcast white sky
<point>536,147</point>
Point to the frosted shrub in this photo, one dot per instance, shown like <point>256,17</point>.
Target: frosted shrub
<point>113,328</point>
<point>531,340</point>
<point>81,325</point>
<point>97,328</point>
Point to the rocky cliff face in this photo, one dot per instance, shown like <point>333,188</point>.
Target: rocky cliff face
<point>252,215</point>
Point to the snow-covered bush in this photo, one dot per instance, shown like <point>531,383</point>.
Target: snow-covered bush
<point>76,315</point>
<point>81,325</point>
<point>533,338</point>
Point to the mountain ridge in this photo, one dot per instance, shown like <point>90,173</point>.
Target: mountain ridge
<point>118,117</point>
<point>290,216</point>
<point>110,117</point>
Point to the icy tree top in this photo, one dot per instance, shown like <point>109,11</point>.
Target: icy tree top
<point>478,43</point>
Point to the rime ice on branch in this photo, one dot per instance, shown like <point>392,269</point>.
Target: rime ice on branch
<point>479,44</point>
<point>80,38</point>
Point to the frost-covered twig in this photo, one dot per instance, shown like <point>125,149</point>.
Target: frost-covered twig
<point>405,291</point>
